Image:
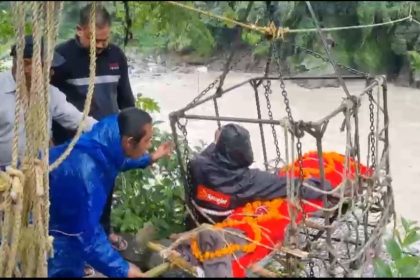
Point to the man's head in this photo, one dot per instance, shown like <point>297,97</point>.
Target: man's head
<point>234,145</point>
<point>136,131</point>
<point>27,58</point>
<point>103,27</point>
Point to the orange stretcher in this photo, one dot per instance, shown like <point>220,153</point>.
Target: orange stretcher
<point>266,222</point>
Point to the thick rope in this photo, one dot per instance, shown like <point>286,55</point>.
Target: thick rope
<point>279,32</point>
<point>53,15</point>
<point>38,105</point>
<point>92,73</point>
<point>27,200</point>
<point>18,10</point>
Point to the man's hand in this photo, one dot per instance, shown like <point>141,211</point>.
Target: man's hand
<point>135,272</point>
<point>164,149</point>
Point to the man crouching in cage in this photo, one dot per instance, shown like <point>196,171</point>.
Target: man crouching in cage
<point>223,181</point>
<point>223,172</point>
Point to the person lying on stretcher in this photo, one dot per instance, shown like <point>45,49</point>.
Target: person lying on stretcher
<point>223,180</point>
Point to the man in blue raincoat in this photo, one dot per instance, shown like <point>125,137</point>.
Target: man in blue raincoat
<point>80,186</point>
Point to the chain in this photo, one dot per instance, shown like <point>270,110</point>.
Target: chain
<point>325,59</point>
<point>311,269</point>
<point>372,130</point>
<point>267,94</point>
<point>189,184</point>
<point>204,92</point>
<point>222,77</point>
<point>299,134</point>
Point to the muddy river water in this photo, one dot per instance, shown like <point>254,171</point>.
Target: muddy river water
<point>174,90</point>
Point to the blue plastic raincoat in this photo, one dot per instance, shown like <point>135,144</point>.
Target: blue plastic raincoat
<point>79,188</point>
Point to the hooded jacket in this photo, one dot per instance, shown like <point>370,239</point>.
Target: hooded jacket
<point>79,188</point>
<point>223,181</point>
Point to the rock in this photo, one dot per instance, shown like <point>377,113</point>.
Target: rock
<point>186,70</point>
<point>404,76</point>
<point>134,253</point>
<point>202,69</point>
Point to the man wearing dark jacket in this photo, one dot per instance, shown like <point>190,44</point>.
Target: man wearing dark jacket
<point>112,91</point>
<point>223,181</point>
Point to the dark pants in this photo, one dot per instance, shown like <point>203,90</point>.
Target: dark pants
<point>106,214</point>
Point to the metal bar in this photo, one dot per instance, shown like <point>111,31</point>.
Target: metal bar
<point>329,116</point>
<point>377,136</point>
<point>357,144</point>
<point>386,123</point>
<point>216,95</point>
<point>343,105</point>
<point>216,110</point>
<point>324,197</point>
<point>373,84</point>
<point>327,50</point>
<point>293,78</point>
<point>386,144</point>
<point>235,44</point>
<point>219,94</point>
<point>337,111</point>
<point>257,101</point>
<point>335,239</point>
<point>233,119</point>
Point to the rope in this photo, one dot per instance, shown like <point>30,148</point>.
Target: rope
<point>37,138</point>
<point>92,73</point>
<point>18,11</point>
<point>278,32</point>
<point>19,15</point>
<point>53,8</point>
<point>25,244</point>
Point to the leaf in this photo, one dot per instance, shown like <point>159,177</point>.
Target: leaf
<point>393,249</point>
<point>405,224</point>
<point>398,235</point>
<point>412,237</point>
<point>251,38</point>
<point>381,269</point>
<point>408,266</point>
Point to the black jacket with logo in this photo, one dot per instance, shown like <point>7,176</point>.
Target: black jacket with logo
<point>112,87</point>
<point>222,179</point>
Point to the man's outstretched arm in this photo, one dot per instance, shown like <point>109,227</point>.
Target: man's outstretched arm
<point>144,161</point>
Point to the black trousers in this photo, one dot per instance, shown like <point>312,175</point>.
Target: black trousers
<point>106,214</point>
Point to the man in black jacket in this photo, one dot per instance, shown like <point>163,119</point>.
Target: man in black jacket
<point>223,181</point>
<point>112,87</point>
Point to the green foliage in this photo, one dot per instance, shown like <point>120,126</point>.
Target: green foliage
<point>158,26</point>
<point>366,11</point>
<point>147,104</point>
<point>370,59</point>
<point>403,262</point>
<point>167,27</point>
<point>414,58</point>
<point>150,195</point>
<point>6,28</point>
